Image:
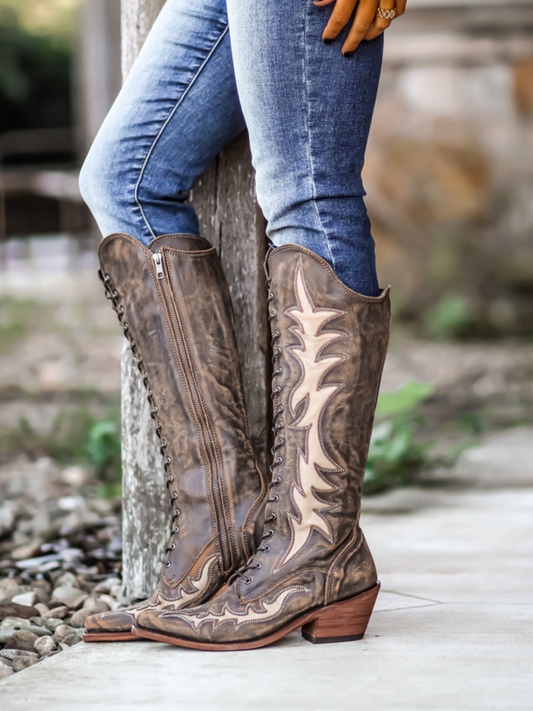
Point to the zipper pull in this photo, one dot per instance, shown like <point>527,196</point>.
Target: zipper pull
<point>158,261</point>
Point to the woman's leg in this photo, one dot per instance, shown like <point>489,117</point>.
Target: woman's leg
<point>178,107</point>
<point>308,110</point>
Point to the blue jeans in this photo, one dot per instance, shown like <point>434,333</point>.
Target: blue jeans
<point>307,109</point>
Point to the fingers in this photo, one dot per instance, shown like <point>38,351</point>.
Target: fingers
<point>364,19</point>
<point>400,7</point>
<point>377,28</point>
<point>366,25</point>
<point>340,15</point>
<point>380,24</point>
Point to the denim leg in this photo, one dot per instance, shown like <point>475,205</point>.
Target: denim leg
<point>308,110</point>
<point>178,107</point>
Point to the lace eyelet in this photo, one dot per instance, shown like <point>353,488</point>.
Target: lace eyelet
<point>274,499</point>
<point>176,529</point>
<point>170,479</point>
<point>266,548</point>
<point>174,496</point>
<point>247,581</point>
<point>166,563</point>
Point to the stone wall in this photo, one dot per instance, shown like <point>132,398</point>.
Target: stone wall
<point>449,169</point>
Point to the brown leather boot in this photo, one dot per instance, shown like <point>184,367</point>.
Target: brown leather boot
<point>174,305</point>
<point>313,568</point>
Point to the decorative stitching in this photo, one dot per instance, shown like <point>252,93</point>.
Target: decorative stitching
<point>270,610</point>
<point>331,274</point>
<point>316,396</point>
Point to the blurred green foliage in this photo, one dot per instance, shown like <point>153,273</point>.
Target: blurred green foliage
<point>396,457</point>
<point>75,436</point>
<point>450,318</point>
<point>16,319</point>
<point>103,450</point>
<point>35,66</point>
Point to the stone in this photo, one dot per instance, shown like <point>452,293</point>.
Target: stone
<point>106,585</point>
<point>8,588</point>
<point>15,609</point>
<point>6,635</point>
<point>14,623</point>
<point>5,672</point>
<point>70,640</point>
<point>24,638</point>
<point>27,599</point>
<point>39,630</point>
<point>39,621</point>
<point>63,631</point>
<point>42,584</point>
<point>75,476</point>
<point>45,645</point>
<point>79,617</point>
<point>67,579</point>
<point>53,623</point>
<point>43,596</point>
<point>95,605</point>
<point>70,596</point>
<point>23,662</point>
<point>30,550</point>
<point>11,654</point>
<point>56,613</point>
<point>110,602</point>
<point>41,608</point>
<point>117,593</point>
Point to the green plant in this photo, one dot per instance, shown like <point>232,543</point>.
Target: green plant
<point>104,451</point>
<point>449,318</point>
<point>74,436</point>
<point>396,457</point>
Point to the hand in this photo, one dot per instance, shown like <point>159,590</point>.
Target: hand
<point>366,25</point>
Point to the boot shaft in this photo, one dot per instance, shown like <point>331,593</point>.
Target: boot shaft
<point>329,347</point>
<point>174,303</point>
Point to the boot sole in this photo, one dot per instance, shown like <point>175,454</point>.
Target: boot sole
<point>109,637</point>
<point>344,621</point>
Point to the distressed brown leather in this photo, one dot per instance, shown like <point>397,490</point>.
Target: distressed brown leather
<point>183,328</point>
<point>329,348</point>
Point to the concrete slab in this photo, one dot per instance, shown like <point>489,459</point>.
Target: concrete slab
<point>436,657</point>
<point>452,631</point>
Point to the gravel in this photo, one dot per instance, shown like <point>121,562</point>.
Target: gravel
<point>60,560</point>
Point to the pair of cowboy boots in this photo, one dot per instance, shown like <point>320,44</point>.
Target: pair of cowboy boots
<point>244,570</point>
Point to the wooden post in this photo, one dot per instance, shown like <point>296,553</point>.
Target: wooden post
<point>224,199</point>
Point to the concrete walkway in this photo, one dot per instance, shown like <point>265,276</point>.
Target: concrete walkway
<point>453,629</point>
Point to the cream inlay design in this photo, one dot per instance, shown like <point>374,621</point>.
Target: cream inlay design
<point>266,612</point>
<point>198,586</point>
<point>311,321</point>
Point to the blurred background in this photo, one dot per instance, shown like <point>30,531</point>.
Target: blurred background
<point>449,177</point>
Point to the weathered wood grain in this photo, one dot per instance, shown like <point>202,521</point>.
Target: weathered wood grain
<point>224,199</point>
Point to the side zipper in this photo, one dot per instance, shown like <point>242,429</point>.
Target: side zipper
<point>178,333</point>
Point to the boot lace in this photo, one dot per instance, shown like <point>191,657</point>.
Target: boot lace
<point>279,442</point>
<point>114,297</point>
